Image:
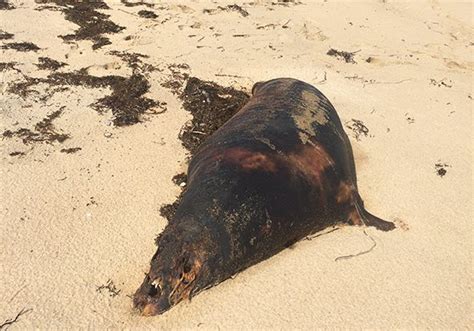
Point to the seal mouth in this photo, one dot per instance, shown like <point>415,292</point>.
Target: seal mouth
<point>151,299</point>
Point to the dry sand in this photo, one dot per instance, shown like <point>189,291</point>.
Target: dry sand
<point>72,222</point>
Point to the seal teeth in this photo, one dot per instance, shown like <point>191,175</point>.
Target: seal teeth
<point>156,284</point>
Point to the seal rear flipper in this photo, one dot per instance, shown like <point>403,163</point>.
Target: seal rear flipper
<point>361,216</point>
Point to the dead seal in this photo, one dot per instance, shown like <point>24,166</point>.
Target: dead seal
<point>281,169</point>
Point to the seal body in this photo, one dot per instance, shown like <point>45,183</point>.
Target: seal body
<point>280,169</point>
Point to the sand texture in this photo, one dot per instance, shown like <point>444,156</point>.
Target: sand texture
<point>90,118</point>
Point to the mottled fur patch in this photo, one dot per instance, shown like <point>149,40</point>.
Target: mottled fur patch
<point>307,114</point>
<point>312,161</point>
<point>248,160</point>
<point>344,193</point>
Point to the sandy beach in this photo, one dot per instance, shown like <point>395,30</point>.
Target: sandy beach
<point>91,120</point>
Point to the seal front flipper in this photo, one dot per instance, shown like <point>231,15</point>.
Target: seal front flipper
<point>361,216</point>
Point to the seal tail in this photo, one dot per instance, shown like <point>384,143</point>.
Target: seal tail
<point>368,219</point>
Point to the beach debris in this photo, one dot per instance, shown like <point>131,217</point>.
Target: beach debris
<point>70,150</point>
<point>44,131</point>
<point>126,102</point>
<point>441,83</point>
<point>110,288</point>
<point>358,128</point>
<point>180,179</point>
<point>137,3</point>
<point>93,24</point>
<point>21,47</point>
<point>179,73</point>
<point>5,35</point>
<point>350,256</point>
<point>147,14</point>
<point>409,118</point>
<point>441,168</point>
<point>348,57</point>
<point>10,321</point>
<point>46,63</point>
<point>211,106</point>
<point>227,8</point>
<point>5,5</point>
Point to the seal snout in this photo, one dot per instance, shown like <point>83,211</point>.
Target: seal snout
<point>150,299</point>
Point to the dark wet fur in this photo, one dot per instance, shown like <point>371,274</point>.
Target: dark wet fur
<point>254,188</point>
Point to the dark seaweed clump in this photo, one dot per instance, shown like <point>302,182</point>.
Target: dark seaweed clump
<point>21,47</point>
<point>44,131</point>
<point>147,14</point>
<point>7,65</point>
<point>137,3</point>
<point>4,5</point>
<point>228,8</point>
<point>126,102</point>
<point>178,77</point>
<point>441,169</point>
<point>5,35</point>
<point>46,63</point>
<point>180,179</point>
<point>92,23</point>
<point>70,150</point>
<point>211,106</point>
<point>169,210</point>
<point>133,60</point>
<point>17,153</point>
<point>359,128</point>
<point>343,55</point>
<point>286,3</point>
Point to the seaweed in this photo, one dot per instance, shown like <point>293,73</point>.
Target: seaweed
<point>5,35</point>
<point>227,8</point>
<point>70,150</point>
<point>168,210</point>
<point>17,153</point>
<point>4,5</point>
<point>21,47</point>
<point>178,77</point>
<point>147,14</point>
<point>7,65</point>
<point>46,63</point>
<point>359,128</point>
<point>441,169</point>
<point>134,4</point>
<point>348,57</point>
<point>92,23</point>
<point>44,131</point>
<point>211,106</point>
<point>126,102</point>
<point>110,287</point>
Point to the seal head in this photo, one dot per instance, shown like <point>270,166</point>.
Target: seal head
<point>175,269</point>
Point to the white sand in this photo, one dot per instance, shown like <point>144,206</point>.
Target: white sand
<point>57,248</point>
